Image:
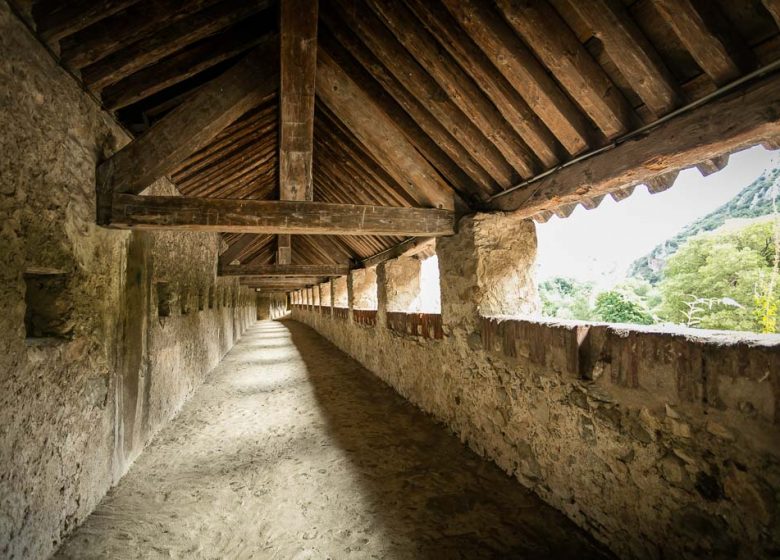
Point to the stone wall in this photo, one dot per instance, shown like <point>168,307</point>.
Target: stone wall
<point>662,445</point>
<point>125,325</point>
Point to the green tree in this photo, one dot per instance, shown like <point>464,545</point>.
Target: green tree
<point>715,281</point>
<point>615,307</point>
<point>565,298</point>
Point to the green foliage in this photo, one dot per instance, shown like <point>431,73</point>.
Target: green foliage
<point>565,298</point>
<point>753,201</point>
<point>615,307</point>
<point>714,281</point>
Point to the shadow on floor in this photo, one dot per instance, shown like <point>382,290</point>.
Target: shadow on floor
<point>435,498</point>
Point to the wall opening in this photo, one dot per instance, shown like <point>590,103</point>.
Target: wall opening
<point>184,302</point>
<point>211,297</point>
<point>430,289</point>
<point>164,299</point>
<point>703,254</point>
<point>48,312</point>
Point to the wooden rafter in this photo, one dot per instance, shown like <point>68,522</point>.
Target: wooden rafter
<point>186,129</point>
<point>264,216</point>
<point>381,136</point>
<point>720,127</point>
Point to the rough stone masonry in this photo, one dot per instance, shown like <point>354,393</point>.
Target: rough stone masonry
<point>662,444</point>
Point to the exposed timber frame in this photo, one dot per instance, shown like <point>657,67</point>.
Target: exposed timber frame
<point>179,213</point>
<point>283,270</point>
<point>298,55</point>
<point>705,133</point>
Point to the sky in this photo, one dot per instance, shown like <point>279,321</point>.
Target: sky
<point>599,245</point>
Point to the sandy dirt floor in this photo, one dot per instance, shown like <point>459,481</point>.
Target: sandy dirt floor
<point>292,450</point>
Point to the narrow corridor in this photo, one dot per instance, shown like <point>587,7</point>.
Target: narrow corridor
<point>293,450</point>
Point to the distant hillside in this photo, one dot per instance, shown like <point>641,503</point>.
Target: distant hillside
<point>753,201</point>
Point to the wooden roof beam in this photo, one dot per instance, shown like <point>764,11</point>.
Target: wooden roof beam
<point>631,52</point>
<point>375,36</point>
<point>715,54</point>
<point>296,98</point>
<point>289,270</point>
<point>186,129</point>
<point>179,213</point>
<point>561,52</point>
<point>460,87</point>
<point>725,125</point>
<point>521,69</point>
<point>56,19</point>
<point>381,137</point>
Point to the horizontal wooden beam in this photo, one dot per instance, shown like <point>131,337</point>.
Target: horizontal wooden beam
<point>289,270</point>
<point>409,247</point>
<point>187,128</point>
<point>275,216</point>
<point>722,126</point>
<point>300,281</point>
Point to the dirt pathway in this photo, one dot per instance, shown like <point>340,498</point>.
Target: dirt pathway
<point>292,450</point>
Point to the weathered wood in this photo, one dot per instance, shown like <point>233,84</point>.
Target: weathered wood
<point>187,63</point>
<point>722,126</point>
<point>558,48</point>
<point>661,183</point>
<point>713,165</point>
<point>235,250</point>
<point>272,216</point>
<point>432,140</point>
<point>290,270</point>
<point>512,107</point>
<point>622,194</point>
<point>150,49</point>
<point>187,128</point>
<point>296,97</point>
<point>283,249</point>
<point>380,136</point>
<point>402,65</point>
<point>123,28</point>
<point>280,281</point>
<point>707,47</point>
<point>405,248</point>
<point>460,88</point>
<point>631,52</point>
<point>523,71</point>
<point>55,19</point>
<point>773,7</point>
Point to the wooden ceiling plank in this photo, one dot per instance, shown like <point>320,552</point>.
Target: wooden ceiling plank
<point>183,65</point>
<point>720,127</point>
<point>215,155</point>
<point>707,47</point>
<point>523,71</point>
<point>376,38</point>
<point>379,134</point>
<point>432,140</point>
<point>149,50</point>
<point>631,52</point>
<point>773,7</point>
<point>123,28</point>
<point>460,87</point>
<point>250,157</point>
<point>332,129</point>
<point>512,107</point>
<point>187,128</point>
<point>178,213</point>
<point>557,47</point>
<point>236,248</point>
<point>55,19</point>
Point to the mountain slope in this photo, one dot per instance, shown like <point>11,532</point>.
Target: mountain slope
<point>753,201</point>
